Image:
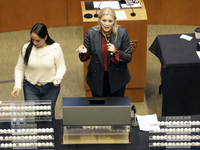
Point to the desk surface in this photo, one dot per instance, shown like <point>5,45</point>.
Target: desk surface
<point>140,13</point>
<point>173,51</point>
<point>139,139</point>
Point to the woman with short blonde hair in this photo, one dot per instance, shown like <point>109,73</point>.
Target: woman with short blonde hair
<point>108,46</point>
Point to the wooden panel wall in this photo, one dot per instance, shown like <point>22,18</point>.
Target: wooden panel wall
<point>173,12</point>
<point>23,14</point>
<point>75,13</point>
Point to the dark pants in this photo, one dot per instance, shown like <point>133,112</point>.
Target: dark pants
<point>106,89</point>
<point>45,92</point>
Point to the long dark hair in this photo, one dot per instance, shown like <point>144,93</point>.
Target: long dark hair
<point>41,30</point>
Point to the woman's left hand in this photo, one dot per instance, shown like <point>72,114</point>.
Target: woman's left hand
<point>134,1</point>
<point>111,48</point>
<point>57,81</point>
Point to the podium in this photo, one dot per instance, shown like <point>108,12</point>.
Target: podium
<point>137,31</point>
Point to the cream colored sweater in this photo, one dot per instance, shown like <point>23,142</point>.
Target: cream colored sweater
<point>44,65</point>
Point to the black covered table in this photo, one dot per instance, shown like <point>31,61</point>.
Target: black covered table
<point>180,74</point>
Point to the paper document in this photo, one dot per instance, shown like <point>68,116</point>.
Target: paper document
<point>198,54</point>
<point>120,15</point>
<point>112,4</point>
<point>186,37</point>
<point>135,5</point>
<point>145,121</point>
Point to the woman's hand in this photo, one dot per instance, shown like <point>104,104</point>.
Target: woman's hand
<point>111,48</point>
<point>82,49</point>
<point>15,92</point>
<point>137,1</point>
<point>134,1</point>
<point>57,82</point>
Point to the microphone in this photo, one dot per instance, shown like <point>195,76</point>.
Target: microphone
<point>96,15</point>
<point>108,40</point>
<point>133,109</point>
<point>108,37</point>
<point>134,123</point>
<point>132,14</point>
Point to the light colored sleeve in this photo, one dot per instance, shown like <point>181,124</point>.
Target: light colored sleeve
<point>19,70</point>
<point>60,63</point>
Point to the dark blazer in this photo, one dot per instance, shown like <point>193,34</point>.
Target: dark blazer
<point>118,73</point>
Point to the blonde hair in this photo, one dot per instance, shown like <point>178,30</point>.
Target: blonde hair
<point>111,12</point>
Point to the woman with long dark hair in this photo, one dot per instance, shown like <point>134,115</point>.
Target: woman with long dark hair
<point>40,67</point>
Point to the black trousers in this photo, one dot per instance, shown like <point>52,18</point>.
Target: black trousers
<point>106,89</point>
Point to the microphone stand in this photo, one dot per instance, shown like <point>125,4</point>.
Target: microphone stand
<point>134,123</point>
<point>132,14</point>
<point>96,15</point>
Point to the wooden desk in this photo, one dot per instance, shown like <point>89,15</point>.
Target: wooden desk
<point>137,30</point>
